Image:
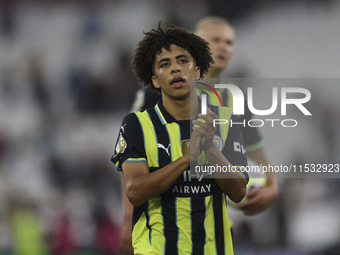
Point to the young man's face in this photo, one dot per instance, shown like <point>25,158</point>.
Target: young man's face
<point>221,42</point>
<point>173,71</point>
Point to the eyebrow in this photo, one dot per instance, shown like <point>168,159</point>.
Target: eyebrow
<point>177,57</point>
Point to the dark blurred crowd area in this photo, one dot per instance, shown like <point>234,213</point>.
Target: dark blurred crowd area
<point>65,83</point>
<point>59,193</point>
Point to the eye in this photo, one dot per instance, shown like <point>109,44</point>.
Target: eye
<point>163,65</point>
<point>215,40</point>
<point>183,60</point>
<point>230,43</point>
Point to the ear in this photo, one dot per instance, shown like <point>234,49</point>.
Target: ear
<point>198,72</point>
<point>155,82</point>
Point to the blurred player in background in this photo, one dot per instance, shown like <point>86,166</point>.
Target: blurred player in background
<point>220,35</point>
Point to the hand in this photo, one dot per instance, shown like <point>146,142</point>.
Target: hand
<point>195,146</point>
<point>258,200</point>
<point>126,236</point>
<point>205,128</point>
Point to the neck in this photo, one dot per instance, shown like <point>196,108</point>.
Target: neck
<point>180,109</point>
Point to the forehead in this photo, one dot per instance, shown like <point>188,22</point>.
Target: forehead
<point>172,53</point>
<point>216,30</point>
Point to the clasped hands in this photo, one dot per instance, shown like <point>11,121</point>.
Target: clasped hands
<point>203,134</point>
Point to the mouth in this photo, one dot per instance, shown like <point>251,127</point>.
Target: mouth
<point>221,57</point>
<point>177,82</point>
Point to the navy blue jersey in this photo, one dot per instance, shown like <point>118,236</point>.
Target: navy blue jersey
<point>191,216</point>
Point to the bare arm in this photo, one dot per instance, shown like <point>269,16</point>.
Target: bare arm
<point>126,230</point>
<point>233,184</point>
<point>141,185</point>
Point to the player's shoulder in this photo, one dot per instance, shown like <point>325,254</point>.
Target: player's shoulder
<point>130,118</point>
<point>135,118</point>
<point>130,124</point>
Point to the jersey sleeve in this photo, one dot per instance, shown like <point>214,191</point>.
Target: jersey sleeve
<point>234,149</point>
<point>130,143</point>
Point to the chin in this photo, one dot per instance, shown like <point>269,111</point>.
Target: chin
<point>218,67</point>
<point>221,66</point>
<point>181,97</point>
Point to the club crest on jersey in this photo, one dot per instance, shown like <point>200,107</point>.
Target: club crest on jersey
<point>121,145</point>
<point>218,142</point>
<point>185,145</point>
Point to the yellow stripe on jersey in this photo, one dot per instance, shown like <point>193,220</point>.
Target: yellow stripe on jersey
<point>140,238</point>
<point>209,221</point>
<point>156,237</point>
<point>157,226</point>
<point>210,244</point>
<point>160,115</point>
<point>144,241</point>
<point>149,136</point>
<point>228,244</point>
<point>175,140</point>
<point>183,205</point>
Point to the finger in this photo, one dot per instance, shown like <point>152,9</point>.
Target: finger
<point>253,192</point>
<point>210,115</point>
<point>198,121</point>
<point>249,207</point>
<point>195,133</point>
<point>195,138</point>
<point>205,122</point>
<point>202,127</point>
<point>205,133</point>
<point>209,118</point>
<point>248,204</point>
<point>209,123</point>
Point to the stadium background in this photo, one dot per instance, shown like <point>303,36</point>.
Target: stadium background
<point>66,82</point>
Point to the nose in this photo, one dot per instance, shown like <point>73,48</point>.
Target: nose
<point>175,67</point>
<point>229,48</point>
<point>224,47</point>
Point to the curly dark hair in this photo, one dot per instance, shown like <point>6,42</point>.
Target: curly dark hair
<point>163,37</point>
